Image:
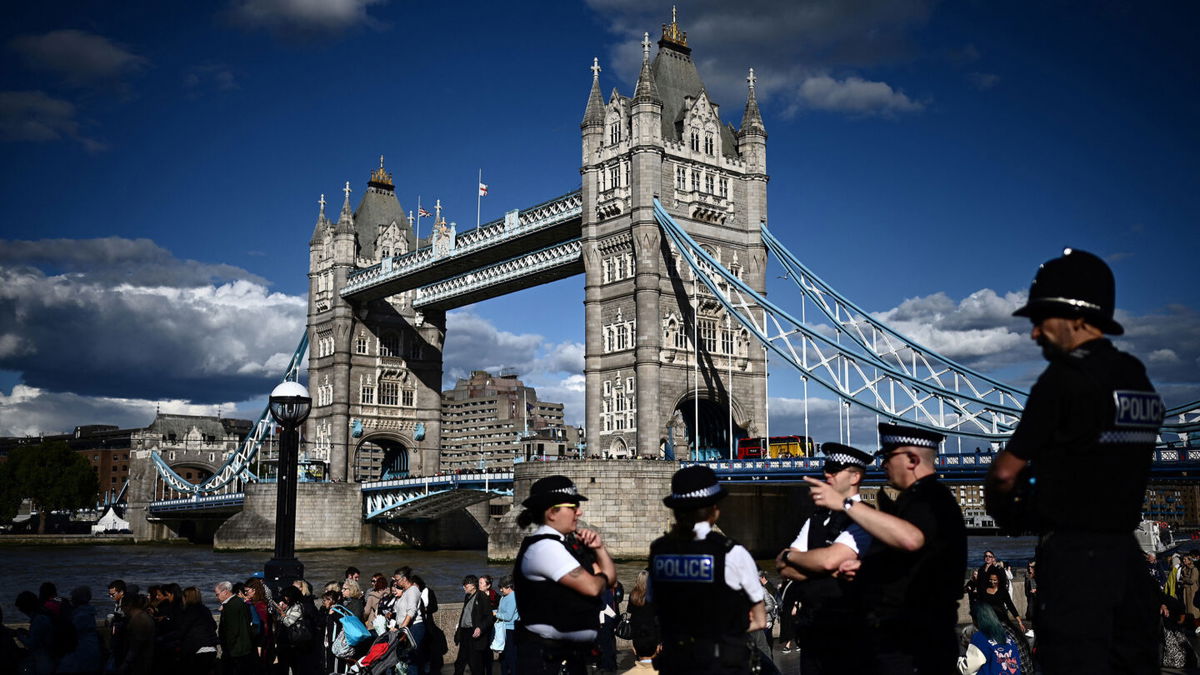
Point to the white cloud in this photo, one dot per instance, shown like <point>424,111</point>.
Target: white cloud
<point>302,16</point>
<point>168,332</point>
<point>1165,356</point>
<point>824,45</point>
<point>29,411</point>
<point>34,116</point>
<point>854,95</point>
<point>78,57</point>
<point>983,81</point>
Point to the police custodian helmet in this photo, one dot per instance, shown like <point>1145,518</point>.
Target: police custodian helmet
<point>1077,284</point>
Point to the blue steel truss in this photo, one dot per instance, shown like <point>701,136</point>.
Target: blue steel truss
<point>236,467</point>
<point>873,366</point>
<point>388,498</point>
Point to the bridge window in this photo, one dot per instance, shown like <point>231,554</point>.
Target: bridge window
<point>614,133</point>
<point>708,334</point>
<point>708,143</point>
<point>695,138</point>
<point>695,180</point>
<point>367,395</point>
<point>680,178</point>
<point>360,344</point>
<point>724,188</point>
<point>408,398</point>
<point>708,183</point>
<point>389,345</point>
<point>389,393</point>
<point>614,176</point>
<point>727,341</point>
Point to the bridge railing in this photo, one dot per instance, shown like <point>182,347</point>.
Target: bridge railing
<point>546,214</point>
<point>197,502</point>
<point>439,482</point>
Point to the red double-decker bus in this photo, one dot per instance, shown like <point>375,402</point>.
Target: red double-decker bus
<point>780,447</point>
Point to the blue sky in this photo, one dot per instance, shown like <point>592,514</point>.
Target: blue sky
<point>162,163</point>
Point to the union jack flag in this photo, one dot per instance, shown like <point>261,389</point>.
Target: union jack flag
<point>422,213</point>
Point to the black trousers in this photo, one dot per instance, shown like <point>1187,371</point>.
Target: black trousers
<point>538,656</point>
<point>1097,607</point>
<point>911,645</point>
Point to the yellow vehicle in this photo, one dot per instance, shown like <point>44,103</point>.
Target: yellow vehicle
<point>780,447</point>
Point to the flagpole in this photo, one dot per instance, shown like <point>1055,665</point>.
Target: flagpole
<point>478,196</point>
<point>418,232</point>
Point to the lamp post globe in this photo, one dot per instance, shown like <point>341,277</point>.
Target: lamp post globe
<point>289,404</point>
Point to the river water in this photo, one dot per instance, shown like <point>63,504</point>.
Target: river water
<point>26,567</point>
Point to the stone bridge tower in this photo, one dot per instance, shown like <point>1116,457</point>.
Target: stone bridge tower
<point>375,368</point>
<point>642,304</point>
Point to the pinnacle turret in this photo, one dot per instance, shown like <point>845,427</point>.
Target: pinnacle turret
<point>594,114</point>
<point>752,121</point>
<point>345,222</point>
<point>322,223</point>
<point>646,90</point>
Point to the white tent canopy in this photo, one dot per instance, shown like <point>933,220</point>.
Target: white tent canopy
<point>110,522</point>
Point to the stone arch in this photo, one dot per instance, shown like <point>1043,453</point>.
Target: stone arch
<point>383,455</point>
<point>713,425</point>
<point>618,449</point>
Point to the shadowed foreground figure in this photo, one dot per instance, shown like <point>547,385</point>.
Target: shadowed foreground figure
<point>1087,435</point>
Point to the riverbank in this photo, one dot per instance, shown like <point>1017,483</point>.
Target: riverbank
<point>65,539</point>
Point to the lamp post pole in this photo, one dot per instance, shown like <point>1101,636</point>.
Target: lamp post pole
<point>290,404</point>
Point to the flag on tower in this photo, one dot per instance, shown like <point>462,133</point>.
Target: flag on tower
<point>422,213</point>
<point>482,189</point>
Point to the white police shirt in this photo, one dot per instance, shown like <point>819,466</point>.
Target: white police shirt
<point>546,560</point>
<point>741,572</point>
<point>854,536</point>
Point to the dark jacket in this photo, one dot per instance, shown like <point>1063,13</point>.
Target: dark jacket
<point>481,618</point>
<point>194,628</point>
<point>234,629</point>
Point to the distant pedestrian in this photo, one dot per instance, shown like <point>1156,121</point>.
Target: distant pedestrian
<point>139,652</point>
<point>86,656</point>
<point>473,622</point>
<point>233,630</point>
<point>195,635</point>
<point>38,639</point>
<point>506,620</point>
<point>992,651</point>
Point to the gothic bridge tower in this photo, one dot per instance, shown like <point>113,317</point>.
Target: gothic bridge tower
<point>374,368</point>
<point>647,384</point>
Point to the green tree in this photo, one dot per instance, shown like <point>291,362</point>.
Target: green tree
<point>52,475</point>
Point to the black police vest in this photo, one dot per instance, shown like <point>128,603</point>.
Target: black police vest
<point>690,593</point>
<point>551,603</point>
<point>822,596</point>
<point>1094,472</point>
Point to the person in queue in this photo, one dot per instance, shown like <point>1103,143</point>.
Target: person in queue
<point>910,579</point>
<point>558,577</point>
<point>1089,424</point>
<point>703,584</point>
<point>828,611</point>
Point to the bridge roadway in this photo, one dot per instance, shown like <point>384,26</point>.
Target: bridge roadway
<point>424,498</point>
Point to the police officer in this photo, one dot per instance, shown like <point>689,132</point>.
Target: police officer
<point>559,575</point>
<point>829,620</point>
<point>1087,436</point>
<point>910,579</point>
<point>704,585</point>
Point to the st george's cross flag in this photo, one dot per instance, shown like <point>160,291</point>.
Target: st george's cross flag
<point>482,189</point>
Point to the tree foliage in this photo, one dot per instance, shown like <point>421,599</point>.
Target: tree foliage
<point>52,475</point>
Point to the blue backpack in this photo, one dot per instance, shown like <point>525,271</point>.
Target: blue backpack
<point>352,627</point>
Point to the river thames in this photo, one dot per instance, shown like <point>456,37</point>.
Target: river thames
<point>26,567</point>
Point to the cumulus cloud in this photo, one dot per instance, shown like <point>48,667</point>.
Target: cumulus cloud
<point>823,45</point>
<point>475,343</point>
<point>854,95</point>
<point>34,116</point>
<point>554,369</point>
<point>79,58</point>
<point>117,260</point>
<point>29,411</point>
<point>302,17</point>
<point>179,329</point>
<point>983,81</point>
<point>207,78</point>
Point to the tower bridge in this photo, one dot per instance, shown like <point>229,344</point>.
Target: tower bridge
<point>669,231</point>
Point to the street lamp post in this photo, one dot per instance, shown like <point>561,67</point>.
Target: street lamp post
<point>290,404</point>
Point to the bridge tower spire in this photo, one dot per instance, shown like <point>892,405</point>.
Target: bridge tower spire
<point>643,372</point>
